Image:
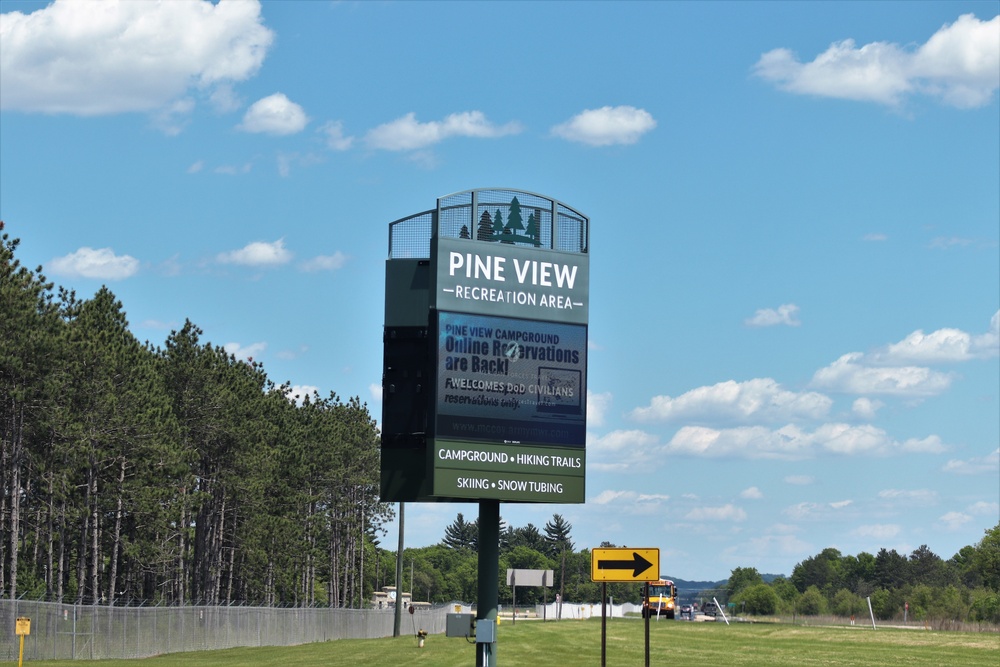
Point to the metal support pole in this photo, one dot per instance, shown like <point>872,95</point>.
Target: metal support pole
<point>489,575</point>
<point>647,615</point>
<point>604,624</point>
<point>397,620</point>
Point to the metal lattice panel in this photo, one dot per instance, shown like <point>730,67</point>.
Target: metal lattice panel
<point>495,215</point>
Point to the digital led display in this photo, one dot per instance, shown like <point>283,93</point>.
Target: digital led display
<point>511,381</point>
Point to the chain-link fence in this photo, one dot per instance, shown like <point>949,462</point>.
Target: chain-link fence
<point>82,632</point>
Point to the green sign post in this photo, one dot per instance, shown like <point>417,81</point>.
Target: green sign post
<point>485,361</point>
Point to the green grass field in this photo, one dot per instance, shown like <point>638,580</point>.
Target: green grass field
<point>672,643</point>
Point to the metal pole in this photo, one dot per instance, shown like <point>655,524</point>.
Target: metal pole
<point>397,620</point>
<point>604,624</point>
<point>489,573</point>
<point>647,615</point>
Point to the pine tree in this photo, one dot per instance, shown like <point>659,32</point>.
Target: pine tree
<point>557,535</point>
<point>498,227</point>
<point>484,230</point>
<point>461,534</point>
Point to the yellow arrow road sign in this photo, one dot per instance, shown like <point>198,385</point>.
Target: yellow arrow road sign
<point>621,564</point>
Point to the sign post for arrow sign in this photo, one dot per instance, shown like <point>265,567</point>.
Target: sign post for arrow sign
<point>624,565</point>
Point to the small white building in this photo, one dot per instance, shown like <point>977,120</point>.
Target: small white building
<point>386,598</point>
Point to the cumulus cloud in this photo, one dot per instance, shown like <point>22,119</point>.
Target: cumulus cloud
<point>622,450</point>
<point>943,346</point>
<point>852,374</point>
<point>983,508</point>
<point>901,368</point>
<point>274,114</point>
<point>794,443</point>
<point>597,407</point>
<point>959,65</point>
<point>101,264</point>
<point>878,531</point>
<point>92,58</point>
<point>757,400</point>
<point>799,480</point>
<point>976,465</point>
<point>245,352</point>
<point>909,497</point>
<point>752,493</point>
<point>785,314</point>
<point>728,512</point>
<point>258,253</point>
<point>325,262</point>
<point>606,126</point>
<point>333,134</point>
<point>954,520</point>
<point>866,408</point>
<point>408,134</point>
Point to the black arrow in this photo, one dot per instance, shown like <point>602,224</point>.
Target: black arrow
<point>637,564</point>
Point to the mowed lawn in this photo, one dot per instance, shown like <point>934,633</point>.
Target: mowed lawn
<point>672,643</point>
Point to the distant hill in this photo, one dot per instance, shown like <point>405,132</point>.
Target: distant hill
<point>689,591</point>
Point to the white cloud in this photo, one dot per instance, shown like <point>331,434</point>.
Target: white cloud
<point>799,480</point>
<point>757,400</point>
<point>977,465</point>
<point>609,496</point>
<point>233,170</point>
<point>375,389</point>
<point>274,114</point>
<point>91,58</point>
<point>876,236</point>
<point>325,262</point>
<point>768,317</point>
<point>841,504</point>
<point>196,167</point>
<point>751,493</point>
<point>941,346</point>
<point>101,264</point>
<point>333,131</point>
<point>866,408</point>
<point>245,352</point>
<point>983,508</point>
<point>606,126</point>
<point>597,407</point>
<point>878,531</point>
<point>407,134</point>
<point>793,443</point>
<point>954,520</point>
<point>959,64</point>
<point>728,512</point>
<point>258,253</point>
<point>297,393</point>
<point>909,497</point>
<point>801,510</point>
<point>622,450</point>
<point>852,374</point>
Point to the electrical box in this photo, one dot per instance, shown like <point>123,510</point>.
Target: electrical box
<point>486,631</point>
<point>460,625</point>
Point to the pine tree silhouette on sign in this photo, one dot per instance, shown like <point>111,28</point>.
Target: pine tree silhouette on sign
<point>484,230</point>
<point>497,226</point>
<point>514,223</point>
<point>531,231</point>
<point>464,232</point>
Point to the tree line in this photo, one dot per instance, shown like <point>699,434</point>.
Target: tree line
<point>924,586</point>
<point>920,586</point>
<point>171,474</point>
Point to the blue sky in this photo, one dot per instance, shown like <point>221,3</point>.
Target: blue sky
<point>795,229</point>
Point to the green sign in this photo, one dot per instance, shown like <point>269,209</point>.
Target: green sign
<point>485,367</point>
